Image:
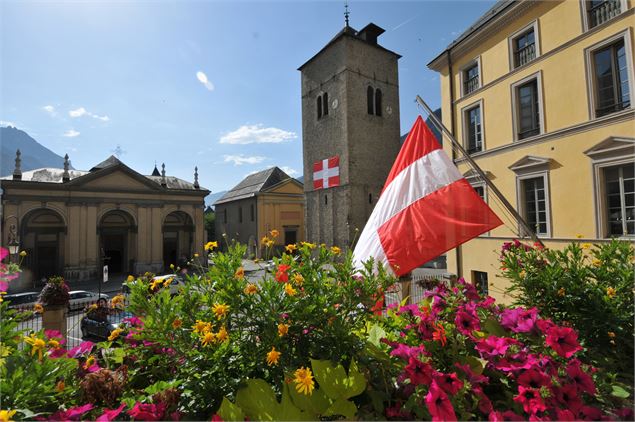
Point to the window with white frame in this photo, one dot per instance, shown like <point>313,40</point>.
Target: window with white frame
<point>532,187</point>
<point>528,107</point>
<point>471,77</point>
<point>474,134</point>
<point>596,12</point>
<point>610,78</point>
<point>619,197</point>
<point>524,46</point>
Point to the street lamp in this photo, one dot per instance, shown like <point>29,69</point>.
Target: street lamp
<point>14,246</point>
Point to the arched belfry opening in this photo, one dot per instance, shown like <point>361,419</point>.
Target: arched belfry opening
<point>178,238</point>
<point>117,240</point>
<point>43,236</point>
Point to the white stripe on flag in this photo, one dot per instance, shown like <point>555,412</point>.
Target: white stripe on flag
<point>325,173</point>
<point>428,174</point>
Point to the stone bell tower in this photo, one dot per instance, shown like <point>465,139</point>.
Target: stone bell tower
<point>350,110</point>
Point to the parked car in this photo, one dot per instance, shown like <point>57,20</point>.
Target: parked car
<point>80,298</point>
<point>175,286</point>
<point>92,325</point>
<point>19,300</point>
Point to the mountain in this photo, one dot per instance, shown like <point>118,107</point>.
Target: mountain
<point>213,197</point>
<point>34,155</point>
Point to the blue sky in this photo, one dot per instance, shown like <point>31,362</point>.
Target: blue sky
<point>211,84</point>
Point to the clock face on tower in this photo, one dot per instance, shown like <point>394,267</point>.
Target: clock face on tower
<point>335,103</point>
<point>389,109</point>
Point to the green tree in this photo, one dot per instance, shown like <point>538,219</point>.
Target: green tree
<point>210,220</point>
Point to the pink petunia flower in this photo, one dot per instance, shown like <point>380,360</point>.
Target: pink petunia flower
<point>530,399</point>
<point>534,379</point>
<point>507,415</point>
<point>568,396</point>
<point>582,380</point>
<point>439,404</point>
<point>466,322</point>
<point>519,320</point>
<point>563,340</point>
<point>147,411</point>
<point>418,372</point>
<point>4,286</point>
<point>484,403</point>
<point>71,414</point>
<point>4,252</point>
<point>494,346</point>
<point>405,352</point>
<point>449,383</point>
<point>110,414</point>
<point>82,349</point>
<point>590,413</point>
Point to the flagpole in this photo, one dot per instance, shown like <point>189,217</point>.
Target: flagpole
<point>480,172</point>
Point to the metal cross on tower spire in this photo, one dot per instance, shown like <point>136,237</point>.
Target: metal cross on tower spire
<point>346,13</point>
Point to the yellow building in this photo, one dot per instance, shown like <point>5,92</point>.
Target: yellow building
<point>540,93</point>
<point>267,200</point>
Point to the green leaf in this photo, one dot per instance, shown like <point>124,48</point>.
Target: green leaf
<point>477,365</point>
<point>493,327</point>
<point>230,412</point>
<point>258,400</point>
<point>619,392</point>
<point>160,386</point>
<point>375,334</point>
<point>315,404</point>
<point>289,412</point>
<point>342,407</point>
<point>334,380</point>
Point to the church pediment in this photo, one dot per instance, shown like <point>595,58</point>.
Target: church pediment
<point>118,177</point>
<point>612,146</point>
<point>288,186</point>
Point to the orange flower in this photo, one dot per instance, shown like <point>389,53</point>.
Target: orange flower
<point>289,290</point>
<point>250,289</point>
<point>273,356</point>
<point>298,279</point>
<point>176,324</point>
<point>439,334</point>
<point>240,273</point>
<point>274,233</point>
<point>283,329</point>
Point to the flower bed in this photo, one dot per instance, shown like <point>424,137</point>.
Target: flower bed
<point>307,342</point>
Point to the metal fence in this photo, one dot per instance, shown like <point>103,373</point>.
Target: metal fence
<point>415,288</point>
<point>30,321</point>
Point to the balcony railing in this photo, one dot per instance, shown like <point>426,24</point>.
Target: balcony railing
<point>470,84</point>
<point>612,108</point>
<point>603,12</point>
<point>525,54</point>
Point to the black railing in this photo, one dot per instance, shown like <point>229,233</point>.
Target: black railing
<point>603,12</point>
<point>525,54</point>
<point>612,108</point>
<point>474,148</point>
<point>471,84</point>
<point>529,132</point>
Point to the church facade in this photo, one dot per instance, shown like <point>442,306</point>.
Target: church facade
<point>350,117</point>
<point>72,223</point>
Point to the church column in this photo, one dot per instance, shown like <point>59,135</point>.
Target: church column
<point>199,233</point>
<point>143,241</point>
<point>92,268</point>
<point>156,242</point>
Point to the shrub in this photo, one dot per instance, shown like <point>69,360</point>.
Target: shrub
<point>588,287</point>
<point>55,292</point>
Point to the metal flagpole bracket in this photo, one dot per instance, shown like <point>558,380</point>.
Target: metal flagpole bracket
<point>521,221</point>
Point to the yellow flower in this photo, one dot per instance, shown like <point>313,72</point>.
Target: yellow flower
<point>222,334</point>
<point>208,338</point>
<point>171,266</point>
<point>596,262</point>
<point>54,344</point>
<point>586,245</point>
<point>283,329</point>
<point>6,415</point>
<point>23,253</point>
<point>195,255</point>
<point>117,300</point>
<point>130,278</point>
<point>269,243</point>
<point>335,250</point>
<point>60,386</point>
<point>167,282</point>
<point>274,233</point>
<point>251,289</point>
<point>202,327</point>
<point>299,280</point>
<point>240,273</point>
<point>291,248</point>
<point>90,361</point>
<point>37,345</point>
<point>38,308</point>
<point>522,274</point>
<point>309,245</point>
<point>177,323</point>
<point>155,283</point>
<point>304,381</point>
<point>220,310</point>
<point>114,334</point>
<point>611,334</point>
<point>92,307</point>
<point>273,356</point>
<point>4,352</point>
<point>579,236</point>
<point>610,292</point>
<point>289,290</point>
<point>561,292</point>
<point>264,240</point>
<point>211,245</point>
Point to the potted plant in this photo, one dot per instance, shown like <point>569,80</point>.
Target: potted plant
<point>54,298</point>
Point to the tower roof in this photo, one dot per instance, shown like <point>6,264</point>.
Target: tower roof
<point>368,35</point>
<point>155,172</point>
<point>110,161</point>
<point>253,184</point>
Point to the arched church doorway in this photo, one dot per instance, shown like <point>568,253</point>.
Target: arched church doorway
<point>178,235</point>
<point>117,233</point>
<point>43,233</point>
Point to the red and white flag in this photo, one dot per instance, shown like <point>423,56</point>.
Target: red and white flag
<point>425,209</point>
<point>326,173</point>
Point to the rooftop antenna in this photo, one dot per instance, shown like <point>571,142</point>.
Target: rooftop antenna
<point>346,13</point>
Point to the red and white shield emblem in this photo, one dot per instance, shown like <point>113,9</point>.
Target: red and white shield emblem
<point>326,173</point>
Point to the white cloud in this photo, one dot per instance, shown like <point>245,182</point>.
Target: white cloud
<point>257,134</point>
<point>291,172</point>
<point>239,160</point>
<point>78,112</point>
<point>6,123</point>
<point>83,112</point>
<point>50,110</point>
<point>71,133</point>
<point>202,78</point>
